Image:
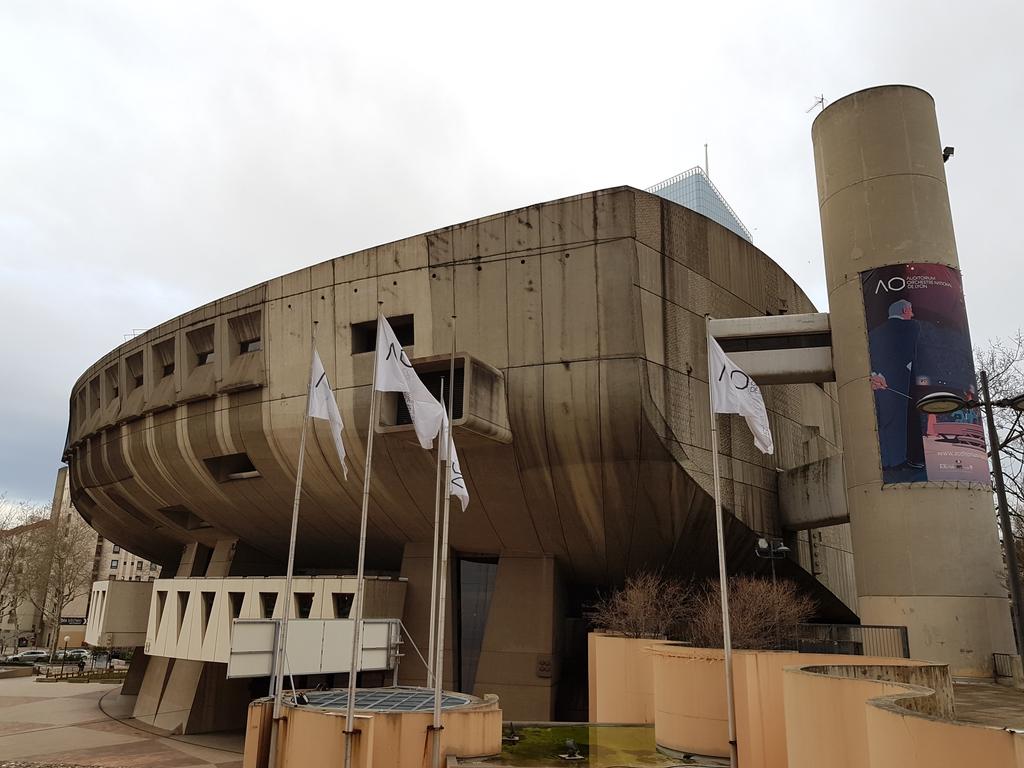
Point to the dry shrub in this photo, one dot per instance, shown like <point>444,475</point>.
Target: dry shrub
<point>647,606</point>
<point>761,614</point>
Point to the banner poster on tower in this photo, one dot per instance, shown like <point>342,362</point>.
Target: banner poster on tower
<point>919,343</point>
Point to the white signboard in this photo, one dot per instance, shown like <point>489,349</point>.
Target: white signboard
<point>315,646</point>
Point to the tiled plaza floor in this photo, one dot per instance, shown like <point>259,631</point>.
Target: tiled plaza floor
<point>989,704</point>
<point>63,724</point>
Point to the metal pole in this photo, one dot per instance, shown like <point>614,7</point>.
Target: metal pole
<point>442,576</point>
<point>1013,572</point>
<point>722,575</point>
<point>279,655</point>
<point>433,564</point>
<point>357,629</point>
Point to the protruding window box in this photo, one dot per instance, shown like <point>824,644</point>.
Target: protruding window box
<point>163,364</point>
<point>110,396</point>
<point>245,362</point>
<point>133,396</point>
<point>479,406</point>
<point>200,356</point>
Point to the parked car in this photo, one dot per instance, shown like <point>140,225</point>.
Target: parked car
<point>29,657</point>
<point>77,654</point>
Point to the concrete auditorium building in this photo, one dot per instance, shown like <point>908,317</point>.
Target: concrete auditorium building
<point>582,420</point>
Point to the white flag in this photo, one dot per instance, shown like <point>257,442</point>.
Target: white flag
<point>732,391</point>
<point>396,374</point>
<point>322,405</point>
<point>457,488</point>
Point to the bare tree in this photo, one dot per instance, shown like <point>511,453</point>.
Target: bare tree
<point>58,568</point>
<point>760,613</point>
<point>1003,361</point>
<point>649,605</point>
<point>17,521</point>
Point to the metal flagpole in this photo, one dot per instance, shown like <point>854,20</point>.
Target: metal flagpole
<point>357,629</point>
<point>433,564</point>
<point>442,576</point>
<point>279,658</point>
<point>723,579</point>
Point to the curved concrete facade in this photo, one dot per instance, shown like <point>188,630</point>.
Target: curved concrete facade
<point>583,433</point>
<point>934,553</point>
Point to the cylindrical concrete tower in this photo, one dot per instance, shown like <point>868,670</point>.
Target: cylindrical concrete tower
<point>924,533</point>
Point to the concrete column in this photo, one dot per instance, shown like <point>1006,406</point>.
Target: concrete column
<point>926,553</point>
<point>520,659</point>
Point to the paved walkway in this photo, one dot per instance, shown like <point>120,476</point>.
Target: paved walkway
<point>989,704</point>
<point>63,724</point>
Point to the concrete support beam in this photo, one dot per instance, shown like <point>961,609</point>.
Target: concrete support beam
<point>813,495</point>
<point>521,655</point>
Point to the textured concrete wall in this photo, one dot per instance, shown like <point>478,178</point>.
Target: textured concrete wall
<point>590,307</point>
<point>585,437</point>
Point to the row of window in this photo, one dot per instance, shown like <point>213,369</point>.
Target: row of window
<point>245,338</point>
<point>342,602</point>
<point>138,563</point>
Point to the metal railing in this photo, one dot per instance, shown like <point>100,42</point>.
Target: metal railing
<point>69,672</point>
<point>854,640</point>
<point>1002,664</point>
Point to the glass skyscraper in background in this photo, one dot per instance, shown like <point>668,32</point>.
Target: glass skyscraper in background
<point>694,190</point>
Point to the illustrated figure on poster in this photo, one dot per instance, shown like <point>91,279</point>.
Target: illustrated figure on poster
<point>919,343</point>
<point>895,343</point>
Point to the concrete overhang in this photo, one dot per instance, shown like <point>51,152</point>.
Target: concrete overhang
<point>779,349</point>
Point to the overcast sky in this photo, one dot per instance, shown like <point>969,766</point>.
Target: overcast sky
<point>155,156</point>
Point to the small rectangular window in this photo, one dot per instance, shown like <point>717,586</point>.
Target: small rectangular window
<point>200,342</point>
<point>136,377</point>
<point>234,466</point>
<point>343,604</point>
<point>303,604</point>
<point>113,564</point>
<point>246,332</point>
<point>163,359</point>
<point>268,602</point>
<point>364,335</point>
<point>94,394</point>
<point>116,549</point>
<point>112,388</point>
<point>138,563</point>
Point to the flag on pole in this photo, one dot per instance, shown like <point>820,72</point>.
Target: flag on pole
<point>457,488</point>
<point>733,391</point>
<point>396,374</point>
<point>322,405</point>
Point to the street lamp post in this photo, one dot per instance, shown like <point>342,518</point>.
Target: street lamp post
<point>771,549</point>
<point>948,402</point>
<point>64,655</point>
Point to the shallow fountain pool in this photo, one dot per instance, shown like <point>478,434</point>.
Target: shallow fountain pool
<point>602,746</point>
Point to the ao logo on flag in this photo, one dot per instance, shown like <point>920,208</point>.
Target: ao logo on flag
<point>399,355</point>
<point>739,380</point>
